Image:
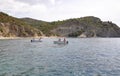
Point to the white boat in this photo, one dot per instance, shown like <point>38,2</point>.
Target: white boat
<point>60,42</point>
<point>36,40</point>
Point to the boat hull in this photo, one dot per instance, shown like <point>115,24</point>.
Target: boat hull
<point>36,41</point>
<point>60,42</point>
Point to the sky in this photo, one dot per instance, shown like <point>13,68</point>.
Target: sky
<point>54,10</point>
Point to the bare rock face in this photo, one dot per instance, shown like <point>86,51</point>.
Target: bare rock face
<point>13,30</point>
<point>14,27</point>
<point>78,27</point>
<point>87,27</point>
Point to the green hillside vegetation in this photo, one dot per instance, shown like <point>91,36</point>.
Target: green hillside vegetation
<point>41,25</point>
<point>45,27</point>
<point>15,25</point>
<point>89,26</point>
<point>5,18</point>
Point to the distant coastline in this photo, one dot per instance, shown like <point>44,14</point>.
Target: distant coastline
<point>11,37</point>
<point>7,38</point>
<point>28,37</point>
<point>85,27</point>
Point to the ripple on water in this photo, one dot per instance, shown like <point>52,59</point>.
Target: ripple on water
<point>81,57</point>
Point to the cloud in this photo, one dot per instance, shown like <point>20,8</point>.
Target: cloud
<point>52,1</point>
<point>107,10</point>
<point>21,9</point>
<point>34,2</point>
<point>51,10</point>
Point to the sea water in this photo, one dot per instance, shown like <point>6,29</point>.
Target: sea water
<point>80,57</point>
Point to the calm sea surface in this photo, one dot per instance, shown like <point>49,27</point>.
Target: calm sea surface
<point>81,57</point>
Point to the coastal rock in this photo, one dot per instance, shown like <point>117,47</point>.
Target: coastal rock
<point>82,36</point>
<point>13,27</point>
<point>87,27</point>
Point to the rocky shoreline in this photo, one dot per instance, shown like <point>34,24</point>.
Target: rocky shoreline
<point>85,27</point>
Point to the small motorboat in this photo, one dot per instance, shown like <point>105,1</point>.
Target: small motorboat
<point>60,42</point>
<point>36,40</point>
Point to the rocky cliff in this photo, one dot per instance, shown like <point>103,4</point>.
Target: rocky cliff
<point>14,27</point>
<point>87,27</point>
<point>78,27</point>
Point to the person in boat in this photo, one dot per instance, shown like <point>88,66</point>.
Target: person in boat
<point>32,39</point>
<point>64,40</point>
<point>40,38</point>
<point>59,39</point>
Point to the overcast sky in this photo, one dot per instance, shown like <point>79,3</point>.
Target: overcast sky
<point>53,10</point>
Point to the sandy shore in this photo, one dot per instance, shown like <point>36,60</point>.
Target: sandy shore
<point>27,37</point>
<point>10,37</point>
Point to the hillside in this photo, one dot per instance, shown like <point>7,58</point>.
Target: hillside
<point>78,27</point>
<point>87,27</point>
<point>14,27</point>
<point>45,27</point>
<point>38,24</point>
